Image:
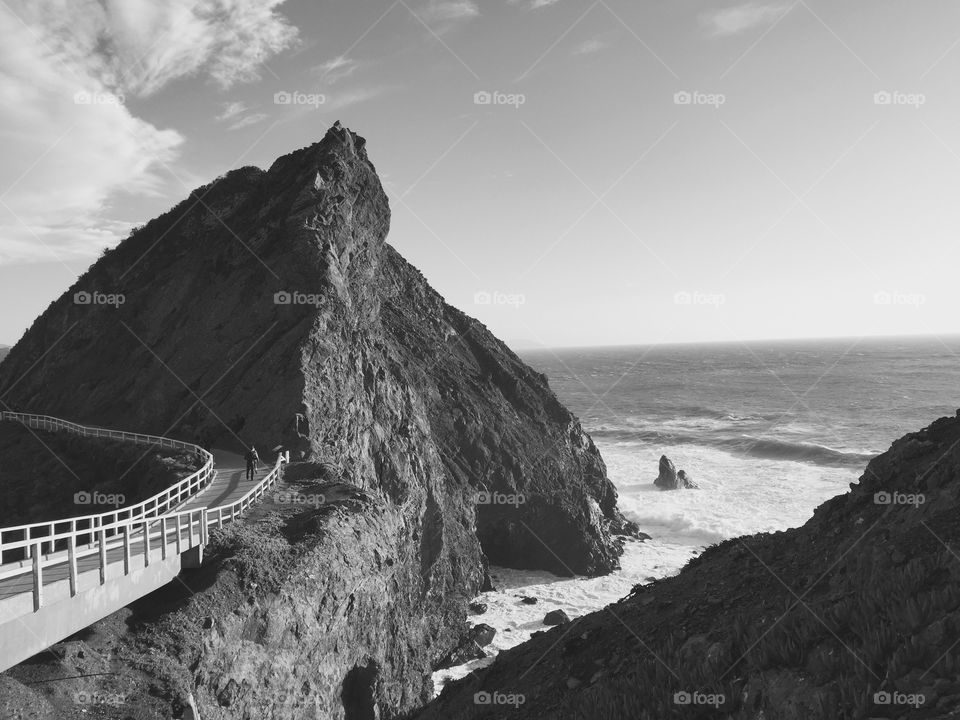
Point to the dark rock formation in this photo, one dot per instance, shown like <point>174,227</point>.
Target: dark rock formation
<point>528,600</point>
<point>478,608</point>
<point>482,634</point>
<point>556,617</point>
<point>669,478</point>
<point>470,647</point>
<point>854,614</point>
<point>268,309</point>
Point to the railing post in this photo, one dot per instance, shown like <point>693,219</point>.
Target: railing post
<point>72,563</point>
<point>126,549</point>
<point>203,526</point>
<point>178,534</point>
<point>146,543</point>
<point>37,577</point>
<point>163,538</point>
<point>102,539</point>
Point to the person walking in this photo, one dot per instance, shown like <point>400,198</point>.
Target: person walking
<point>253,460</point>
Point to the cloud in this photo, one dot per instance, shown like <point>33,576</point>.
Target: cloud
<point>239,116</point>
<point>591,46</point>
<point>737,19</point>
<point>231,110</point>
<point>443,15</point>
<point>340,101</point>
<point>247,120</point>
<point>534,4</point>
<point>152,42</point>
<point>336,69</point>
<point>71,143</point>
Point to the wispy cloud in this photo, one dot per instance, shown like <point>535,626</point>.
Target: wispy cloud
<point>591,46</point>
<point>740,18</point>
<point>443,15</point>
<point>239,115</point>
<point>336,69</point>
<point>72,142</point>
<point>152,43</point>
<point>231,110</point>
<point>533,4</point>
<point>248,120</point>
<point>342,100</point>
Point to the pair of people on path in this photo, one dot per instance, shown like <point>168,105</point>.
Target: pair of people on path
<point>253,461</point>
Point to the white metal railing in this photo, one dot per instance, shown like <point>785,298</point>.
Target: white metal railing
<point>54,534</point>
<point>152,524</point>
<point>228,513</point>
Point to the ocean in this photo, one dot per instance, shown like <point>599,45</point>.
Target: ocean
<point>768,431</point>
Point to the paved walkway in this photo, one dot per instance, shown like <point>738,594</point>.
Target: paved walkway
<point>228,486</point>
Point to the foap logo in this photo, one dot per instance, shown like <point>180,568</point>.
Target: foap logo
<point>913,700</point>
<point>514,100</point>
<point>698,298</point>
<point>899,498</point>
<point>485,497</point>
<point>98,498</point>
<point>98,298</point>
<point>895,97</point>
<point>485,297</point>
<point>499,698</point>
<point>314,100</point>
<point>885,297</point>
<point>85,97</point>
<point>695,97</point>
<point>295,298</point>
<point>294,498</point>
<point>714,700</point>
<point>98,698</point>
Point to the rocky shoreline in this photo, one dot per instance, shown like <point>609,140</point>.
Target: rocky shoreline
<point>854,614</point>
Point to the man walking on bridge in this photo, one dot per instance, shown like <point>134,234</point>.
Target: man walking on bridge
<point>252,461</point>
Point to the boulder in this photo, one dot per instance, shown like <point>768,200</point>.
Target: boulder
<point>685,481</point>
<point>478,608</point>
<point>470,647</point>
<point>556,617</point>
<point>527,600</point>
<point>482,634</point>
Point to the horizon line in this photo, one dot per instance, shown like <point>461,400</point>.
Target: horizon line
<point>751,341</point>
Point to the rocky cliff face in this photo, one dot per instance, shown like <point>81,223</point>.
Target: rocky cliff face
<point>267,308</point>
<point>854,615</point>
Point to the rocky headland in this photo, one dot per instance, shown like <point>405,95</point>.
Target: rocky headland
<point>268,308</point>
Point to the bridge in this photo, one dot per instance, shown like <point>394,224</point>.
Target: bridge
<point>60,576</point>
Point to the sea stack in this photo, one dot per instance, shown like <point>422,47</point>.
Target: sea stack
<point>671,479</point>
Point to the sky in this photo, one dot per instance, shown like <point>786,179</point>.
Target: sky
<point>570,172</point>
